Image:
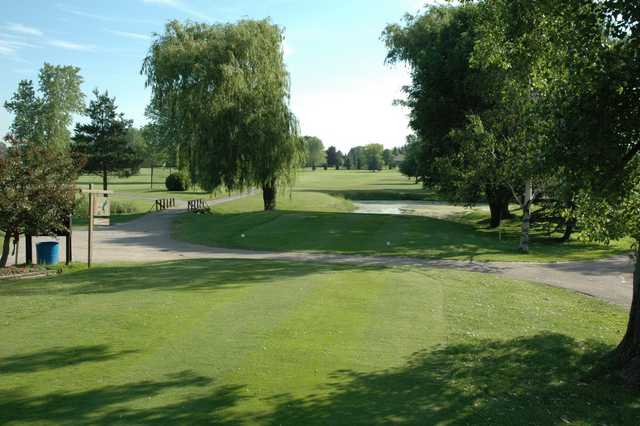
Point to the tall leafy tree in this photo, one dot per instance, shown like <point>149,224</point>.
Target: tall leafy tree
<point>389,158</point>
<point>61,97</point>
<point>44,117</point>
<point>26,107</point>
<point>339,160</point>
<point>223,89</point>
<point>598,139</point>
<point>314,149</point>
<point>528,42</point>
<point>104,142</point>
<point>446,89</point>
<point>374,156</point>
<point>37,192</point>
<point>357,158</point>
<point>332,157</point>
<point>410,163</point>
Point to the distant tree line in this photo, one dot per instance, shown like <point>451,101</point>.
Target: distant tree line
<point>372,157</point>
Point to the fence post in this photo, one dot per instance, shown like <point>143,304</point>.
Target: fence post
<point>28,240</point>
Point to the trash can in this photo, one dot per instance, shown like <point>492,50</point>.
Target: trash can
<point>48,253</point>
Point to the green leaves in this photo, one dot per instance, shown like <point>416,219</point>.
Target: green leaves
<point>104,142</point>
<point>44,117</point>
<point>221,91</point>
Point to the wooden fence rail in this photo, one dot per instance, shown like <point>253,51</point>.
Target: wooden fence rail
<point>196,205</point>
<point>164,204</point>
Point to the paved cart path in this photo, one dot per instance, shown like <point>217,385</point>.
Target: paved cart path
<point>148,239</point>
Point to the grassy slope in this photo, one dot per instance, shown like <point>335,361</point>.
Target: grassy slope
<point>310,219</point>
<point>278,343</point>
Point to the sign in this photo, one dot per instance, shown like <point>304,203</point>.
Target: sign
<point>101,221</point>
<point>101,207</point>
<point>98,206</point>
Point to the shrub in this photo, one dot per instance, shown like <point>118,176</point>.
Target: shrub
<point>117,207</point>
<point>177,182</point>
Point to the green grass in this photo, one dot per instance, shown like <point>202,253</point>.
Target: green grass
<point>139,187</point>
<point>316,221</point>
<point>233,342</point>
<point>136,194</point>
<point>363,185</point>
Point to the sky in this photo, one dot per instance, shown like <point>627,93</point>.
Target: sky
<point>341,89</point>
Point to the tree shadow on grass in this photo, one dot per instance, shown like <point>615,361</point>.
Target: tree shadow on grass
<point>57,358</point>
<point>541,379</point>
<point>188,275</point>
<point>112,404</point>
<point>534,380</point>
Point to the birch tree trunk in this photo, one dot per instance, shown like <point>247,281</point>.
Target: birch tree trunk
<point>526,216</point>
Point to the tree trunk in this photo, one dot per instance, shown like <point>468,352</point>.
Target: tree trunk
<point>526,217</point>
<point>152,176</point>
<point>506,213</point>
<point>627,354</point>
<point>568,230</point>
<point>269,192</point>
<point>498,205</point>
<point>496,214</point>
<point>5,250</point>
<point>104,179</point>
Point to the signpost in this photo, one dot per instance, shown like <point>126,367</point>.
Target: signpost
<point>99,212</point>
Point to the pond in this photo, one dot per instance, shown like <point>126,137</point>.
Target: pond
<point>435,209</point>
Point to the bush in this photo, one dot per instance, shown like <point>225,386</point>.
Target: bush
<point>177,182</point>
<point>117,207</point>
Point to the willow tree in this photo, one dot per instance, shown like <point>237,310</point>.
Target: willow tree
<point>222,91</point>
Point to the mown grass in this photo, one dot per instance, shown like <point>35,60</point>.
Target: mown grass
<point>363,185</point>
<point>139,186</point>
<point>239,342</point>
<point>135,195</point>
<point>311,218</point>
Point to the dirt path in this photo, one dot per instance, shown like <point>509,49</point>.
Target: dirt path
<point>148,239</point>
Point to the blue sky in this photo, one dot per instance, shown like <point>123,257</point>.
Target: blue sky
<point>342,91</point>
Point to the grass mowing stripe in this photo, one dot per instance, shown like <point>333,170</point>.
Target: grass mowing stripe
<point>344,345</point>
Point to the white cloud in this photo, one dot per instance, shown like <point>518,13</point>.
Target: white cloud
<point>70,46</point>
<point>10,46</point>
<point>132,35</point>
<point>23,29</point>
<point>179,5</point>
<point>357,112</point>
<point>104,18</point>
<point>6,49</point>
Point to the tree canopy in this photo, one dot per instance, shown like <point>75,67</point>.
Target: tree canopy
<point>446,90</point>
<point>37,192</point>
<point>222,93</point>
<point>314,151</point>
<point>44,117</point>
<point>103,143</point>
